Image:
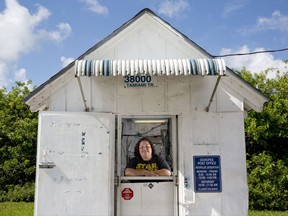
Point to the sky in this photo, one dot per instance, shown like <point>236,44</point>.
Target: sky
<point>40,37</point>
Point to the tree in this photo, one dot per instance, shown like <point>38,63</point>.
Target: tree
<point>268,130</point>
<point>267,143</point>
<point>18,138</point>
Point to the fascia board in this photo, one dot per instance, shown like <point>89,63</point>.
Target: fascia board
<point>253,98</point>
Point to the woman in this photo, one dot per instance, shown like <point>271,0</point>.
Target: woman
<point>146,162</point>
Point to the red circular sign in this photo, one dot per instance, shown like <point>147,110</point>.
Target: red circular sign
<point>127,193</point>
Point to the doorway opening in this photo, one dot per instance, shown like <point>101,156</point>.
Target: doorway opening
<point>136,192</point>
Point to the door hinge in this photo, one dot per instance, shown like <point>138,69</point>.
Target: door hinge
<point>116,180</point>
<point>176,180</point>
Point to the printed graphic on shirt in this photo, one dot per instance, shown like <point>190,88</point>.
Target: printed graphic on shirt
<point>149,167</point>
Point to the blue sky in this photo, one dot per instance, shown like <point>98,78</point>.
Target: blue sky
<point>39,37</point>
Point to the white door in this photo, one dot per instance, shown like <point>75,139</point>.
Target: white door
<point>74,160</point>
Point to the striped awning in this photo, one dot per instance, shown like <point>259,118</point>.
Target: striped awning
<point>157,67</point>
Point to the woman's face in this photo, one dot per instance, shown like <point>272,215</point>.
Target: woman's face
<point>145,150</point>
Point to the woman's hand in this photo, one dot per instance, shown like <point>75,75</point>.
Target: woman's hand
<point>149,173</point>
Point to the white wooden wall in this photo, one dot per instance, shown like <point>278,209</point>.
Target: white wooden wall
<point>178,94</point>
<point>217,132</point>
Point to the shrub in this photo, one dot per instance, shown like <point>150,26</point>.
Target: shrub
<point>268,183</point>
<point>18,193</point>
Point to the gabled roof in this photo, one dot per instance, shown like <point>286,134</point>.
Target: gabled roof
<point>254,99</point>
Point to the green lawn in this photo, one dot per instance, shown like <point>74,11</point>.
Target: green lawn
<point>26,209</point>
<point>16,209</point>
<point>267,213</point>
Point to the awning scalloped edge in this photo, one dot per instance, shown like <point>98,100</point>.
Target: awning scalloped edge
<point>156,67</point>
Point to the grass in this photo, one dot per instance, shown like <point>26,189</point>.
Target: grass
<point>16,209</point>
<point>267,213</point>
<point>26,209</point>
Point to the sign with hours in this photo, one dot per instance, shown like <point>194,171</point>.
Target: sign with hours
<point>207,173</point>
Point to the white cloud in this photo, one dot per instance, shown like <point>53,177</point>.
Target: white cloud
<point>254,63</point>
<point>3,75</point>
<point>20,75</point>
<point>95,6</point>
<point>42,13</point>
<point>233,6</point>
<point>66,61</point>
<point>16,27</point>
<point>7,73</point>
<point>172,8</point>
<point>64,30</point>
<point>21,33</point>
<point>277,21</point>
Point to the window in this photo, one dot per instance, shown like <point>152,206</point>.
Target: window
<point>158,130</point>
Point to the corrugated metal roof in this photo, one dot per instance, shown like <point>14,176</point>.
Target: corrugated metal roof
<point>156,67</point>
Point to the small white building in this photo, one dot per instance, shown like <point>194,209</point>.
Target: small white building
<point>145,79</point>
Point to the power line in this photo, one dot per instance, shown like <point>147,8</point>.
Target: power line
<point>251,53</point>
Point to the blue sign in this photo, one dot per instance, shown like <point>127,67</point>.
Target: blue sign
<point>207,174</point>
